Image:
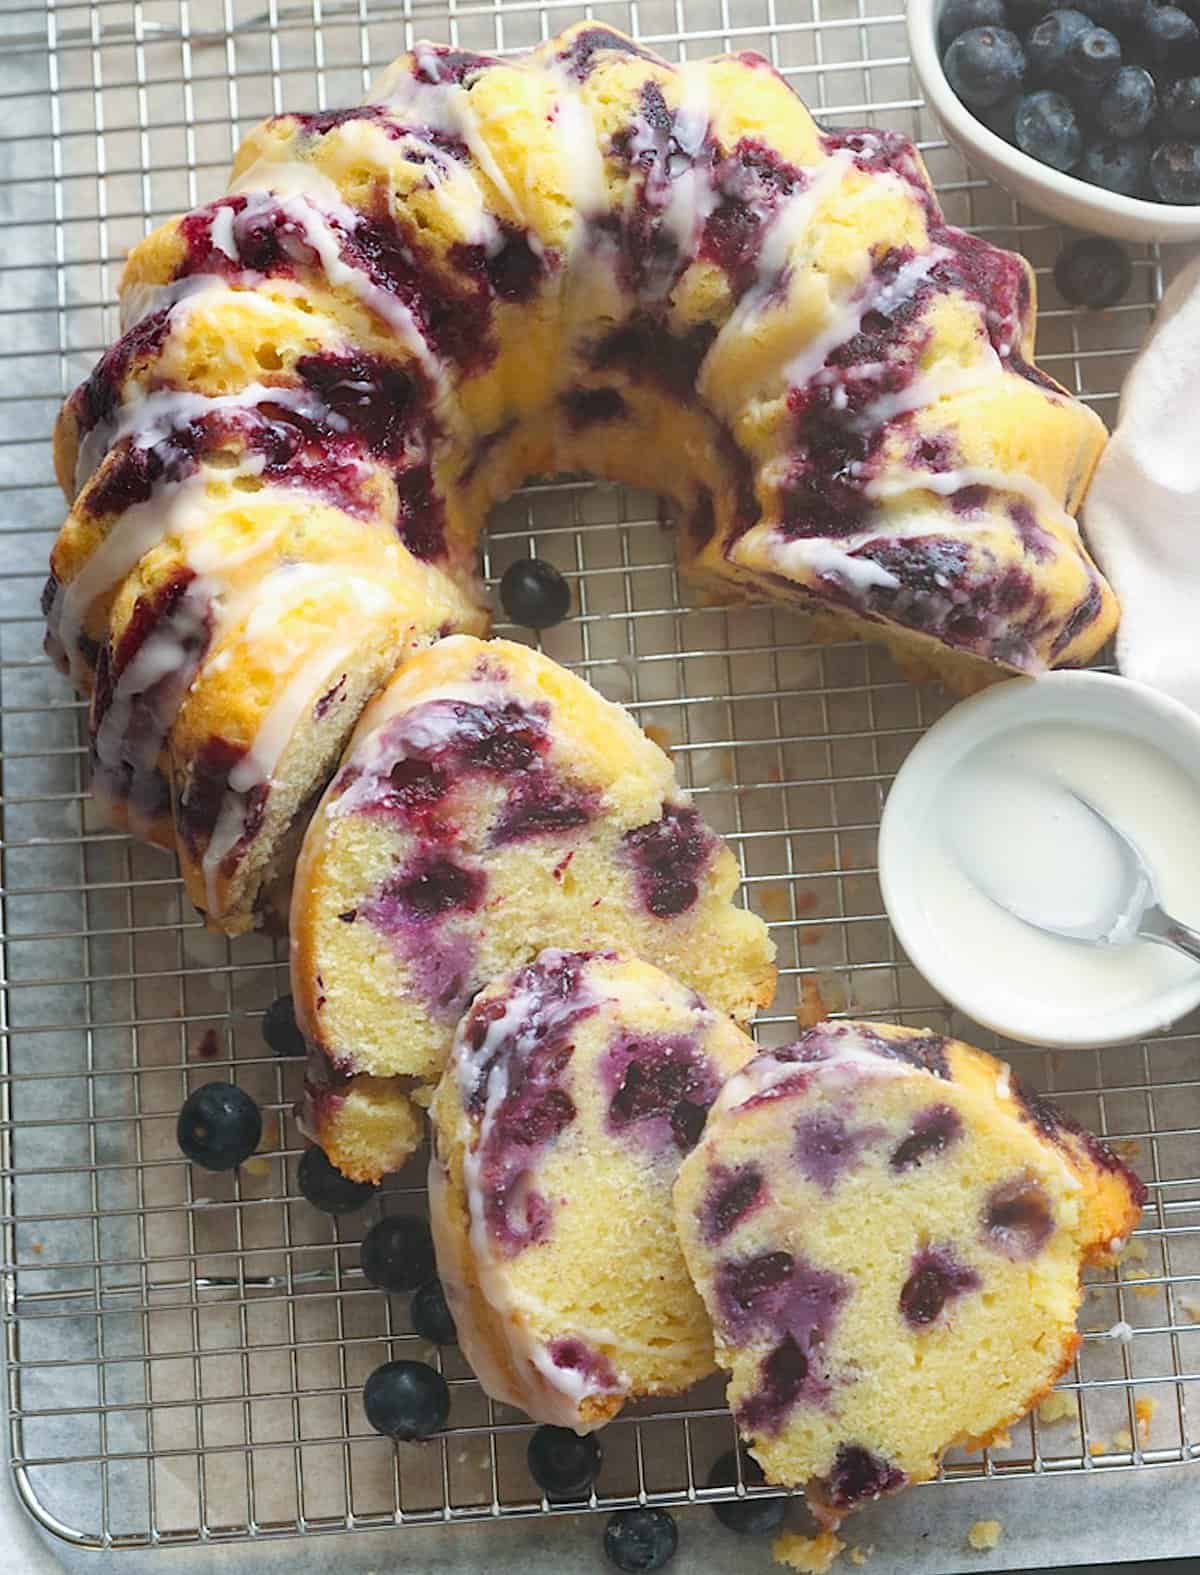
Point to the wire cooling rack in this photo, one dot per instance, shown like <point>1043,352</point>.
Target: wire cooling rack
<point>184,1351</point>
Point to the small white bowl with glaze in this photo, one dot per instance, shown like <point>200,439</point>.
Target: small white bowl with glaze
<point>1025,987</point>
<point>1062,197</point>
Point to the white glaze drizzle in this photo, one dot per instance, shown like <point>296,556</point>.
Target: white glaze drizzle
<point>161,655</point>
<point>257,768</point>
<point>691,194</point>
<point>849,1053</point>
<point>786,226</point>
<point>429,723</point>
<point>443,106</point>
<point>808,368</point>
<point>946,483</point>
<point>544,1390</point>
<point>174,508</point>
<point>583,163</point>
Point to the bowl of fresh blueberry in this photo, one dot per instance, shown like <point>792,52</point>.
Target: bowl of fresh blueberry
<point>1088,111</point>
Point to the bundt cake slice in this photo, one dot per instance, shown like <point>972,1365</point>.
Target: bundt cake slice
<point>492,803</point>
<point>888,1232</point>
<point>367,1126</point>
<point>573,1088</point>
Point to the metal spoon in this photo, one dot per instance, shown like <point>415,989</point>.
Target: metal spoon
<point>1139,913</point>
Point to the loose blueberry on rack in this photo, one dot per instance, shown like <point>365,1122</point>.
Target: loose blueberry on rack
<point>640,1539</point>
<point>1048,41</point>
<point>219,1126</point>
<point>960,16</point>
<point>1181,107</point>
<point>1175,172</point>
<point>563,1464</point>
<point>1046,128</point>
<point>431,1315</point>
<point>406,1400</point>
<point>985,66</point>
<point>749,1517</point>
<point>1116,166</point>
<point>1127,104</point>
<point>327,1189</point>
<point>1093,271</point>
<point>279,1028</point>
<point>397,1253</point>
<point>534,593</point>
<point>1094,57</point>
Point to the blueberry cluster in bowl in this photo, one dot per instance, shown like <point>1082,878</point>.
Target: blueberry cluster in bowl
<point>1106,90</point>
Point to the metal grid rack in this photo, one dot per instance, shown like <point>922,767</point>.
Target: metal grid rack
<point>184,1351</point>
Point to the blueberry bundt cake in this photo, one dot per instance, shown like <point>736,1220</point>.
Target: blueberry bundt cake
<point>492,803</point>
<point>582,258</point>
<point>573,1088</point>
<point>888,1233</point>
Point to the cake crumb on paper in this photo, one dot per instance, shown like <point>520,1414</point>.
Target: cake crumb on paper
<point>860,1556</point>
<point>1057,1407</point>
<point>1098,1447</point>
<point>809,1555</point>
<point>1144,1411</point>
<point>985,1535</point>
<point>1191,1307</point>
<point>1123,1440</point>
<point>1134,1251</point>
<point>773,900</point>
<point>660,735</point>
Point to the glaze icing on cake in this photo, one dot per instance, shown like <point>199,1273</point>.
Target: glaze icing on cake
<point>573,1089</point>
<point>492,803</point>
<point>585,258</point>
<point>888,1233</point>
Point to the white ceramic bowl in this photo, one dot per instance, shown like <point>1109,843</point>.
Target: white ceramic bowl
<point>996,998</point>
<point>1061,197</point>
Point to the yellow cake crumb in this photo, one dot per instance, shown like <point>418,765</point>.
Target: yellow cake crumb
<point>809,1555</point>
<point>662,736</point>
<point>1134,1251</point>
<point>1144,1411</point>
<point>1098,1447</point>
<point>860,1556</point>
<point>1057,1407</point>
<point>985,1535</point>
<point>1123,1439</point>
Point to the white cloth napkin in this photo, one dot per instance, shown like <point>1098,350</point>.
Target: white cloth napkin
<point>1142,513</point>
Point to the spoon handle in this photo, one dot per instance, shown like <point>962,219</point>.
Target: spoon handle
<point>1159,926</point>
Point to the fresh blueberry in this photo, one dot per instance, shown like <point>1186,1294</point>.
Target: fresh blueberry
<point>431,1316</point>
<point>1094,57</point>
<point>960,16</point>
<point>985,66</point>
<point>1046,128</point>
<point>406,1400</point>
<point>1168,34</point>
<point>640,1539</point>
<point>563,1464</point>
<point>1128,103</point>
<point>1048,41</point>
<point>1181,106</point>
<point>326,1188</point>
<point>749,1517</point>
<point>1124,17</point>
<point>219,1126</point>
<point>397,1253</point>
<point>279,1028</point>
<point>1093,271</point>
<point>1116,166</point>
<point>534,593</point>
<point>1175,172</point>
